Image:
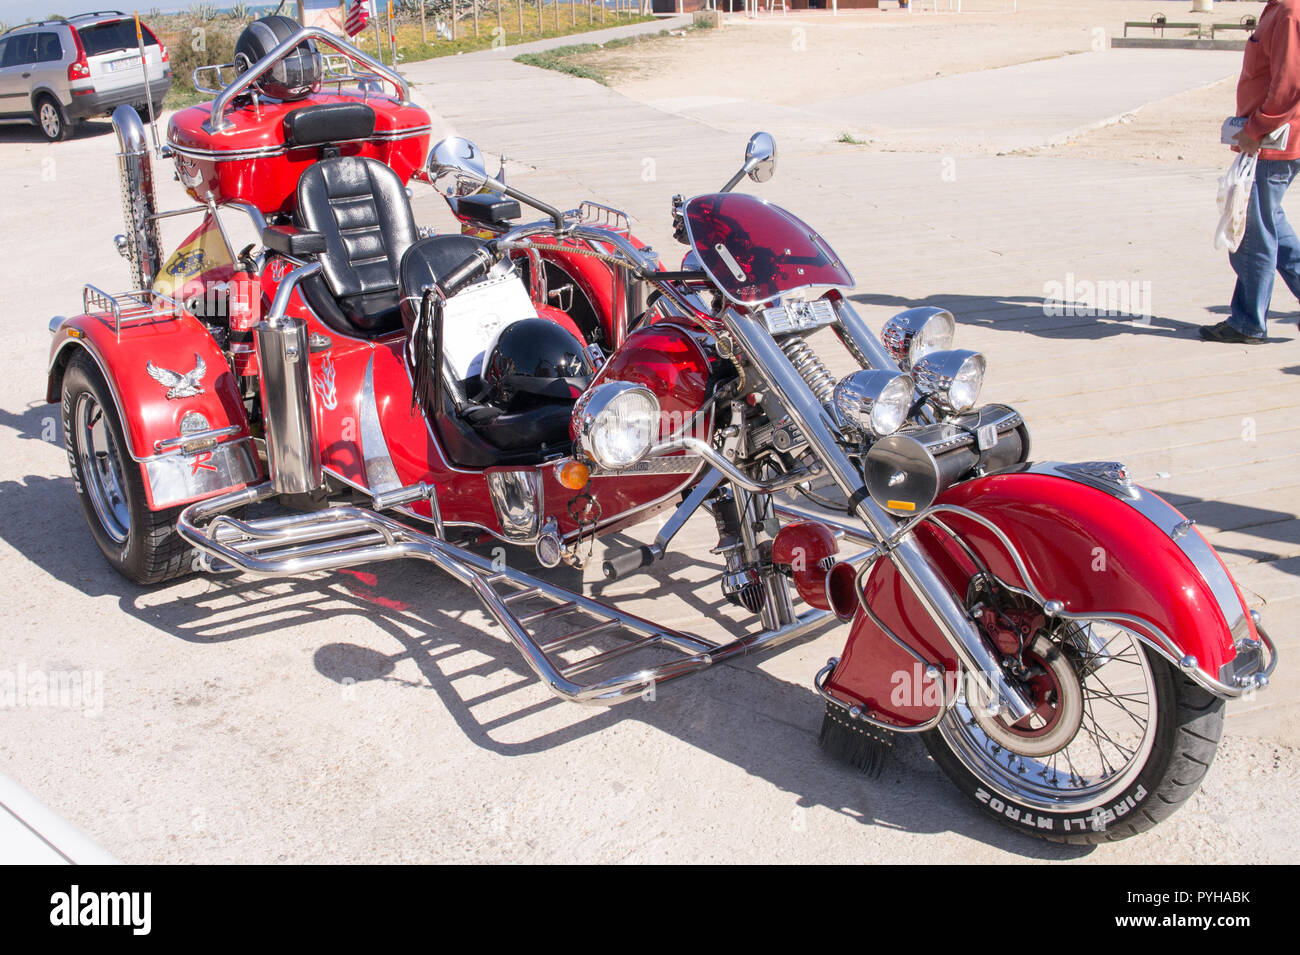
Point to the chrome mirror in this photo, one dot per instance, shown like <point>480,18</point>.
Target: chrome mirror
<point>760,157</point>
<point>461,162</point>
<point>760,161</point>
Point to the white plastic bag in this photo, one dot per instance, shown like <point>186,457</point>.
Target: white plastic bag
<point>1234,198</point>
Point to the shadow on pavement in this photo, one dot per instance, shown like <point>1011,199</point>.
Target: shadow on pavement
<point>1026,313</point>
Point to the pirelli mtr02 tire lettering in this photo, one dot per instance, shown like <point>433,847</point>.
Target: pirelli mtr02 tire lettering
<point>1141,739</point>
<point>141,544</point>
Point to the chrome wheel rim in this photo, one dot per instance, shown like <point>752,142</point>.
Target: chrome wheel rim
<point>1116,732</point>
<point>101,468</point>
<point>50,120</point>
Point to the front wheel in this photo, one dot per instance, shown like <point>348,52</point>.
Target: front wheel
<point>141,544</point>
<point>1118,739</point>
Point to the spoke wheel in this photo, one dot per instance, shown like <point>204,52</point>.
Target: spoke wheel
<point>1091,731</point>
<point>1117,740</point>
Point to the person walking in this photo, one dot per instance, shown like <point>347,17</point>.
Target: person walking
<point>1268,95</point>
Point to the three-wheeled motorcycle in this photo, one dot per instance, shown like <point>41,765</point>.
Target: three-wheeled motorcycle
<point>353,388</point>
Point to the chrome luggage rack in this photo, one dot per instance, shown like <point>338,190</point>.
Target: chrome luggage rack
<point>602,217</point>
<point>137,305</point>
<point>568,640</point>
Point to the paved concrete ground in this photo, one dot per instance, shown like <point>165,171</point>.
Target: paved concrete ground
<point>369,715</point>
<point>1027,106</point>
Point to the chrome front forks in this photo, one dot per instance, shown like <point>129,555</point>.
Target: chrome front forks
<point>822,433</point>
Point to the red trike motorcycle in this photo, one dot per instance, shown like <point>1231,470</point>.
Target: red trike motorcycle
<point>351,388</point>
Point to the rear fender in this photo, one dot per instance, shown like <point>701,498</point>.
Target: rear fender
<point>151,420</point>
<point>1085,537</point>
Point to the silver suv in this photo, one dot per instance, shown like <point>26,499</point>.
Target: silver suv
<point>58,72</point>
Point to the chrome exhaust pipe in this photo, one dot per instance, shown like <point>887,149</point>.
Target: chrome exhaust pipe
<point>141,245</point>
<point>292,447</point>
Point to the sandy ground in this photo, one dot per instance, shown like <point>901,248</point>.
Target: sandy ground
<point>372,715</point>
<point>880,49</point>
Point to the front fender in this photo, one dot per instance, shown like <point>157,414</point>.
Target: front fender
<point>1085,537</point>
<point>151,421</point>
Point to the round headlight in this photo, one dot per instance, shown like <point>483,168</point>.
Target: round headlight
<point>873,402</point>
<point>911,335</point>
<point>953,378</point>
<point>617,423</point>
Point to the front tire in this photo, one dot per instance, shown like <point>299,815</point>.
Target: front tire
<point>142,545</point>
<point>1138,739</point>
<point>51,119</point>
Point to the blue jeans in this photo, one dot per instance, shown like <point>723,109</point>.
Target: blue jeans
<point>1270,245</point>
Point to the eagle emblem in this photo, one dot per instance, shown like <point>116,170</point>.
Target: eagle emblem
<point>178,385</point>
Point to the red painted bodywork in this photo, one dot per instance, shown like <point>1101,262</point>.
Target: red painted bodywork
<point>217,166</point>
<point>269,182</point>
<point>669,361</point>
<point>1058,526</point>
<point>172,342</point>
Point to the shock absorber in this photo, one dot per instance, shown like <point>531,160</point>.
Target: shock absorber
<point>811,368</point>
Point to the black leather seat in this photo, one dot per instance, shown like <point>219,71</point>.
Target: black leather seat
<point>359,205</point>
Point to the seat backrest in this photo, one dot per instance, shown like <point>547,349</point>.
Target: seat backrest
<point>360,206</point>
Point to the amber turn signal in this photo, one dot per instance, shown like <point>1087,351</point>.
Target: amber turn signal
<point>574,475</point>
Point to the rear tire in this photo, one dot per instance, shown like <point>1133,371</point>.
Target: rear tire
<point>51,119</point>
<point>142,545</point>
<point>1182,727</point>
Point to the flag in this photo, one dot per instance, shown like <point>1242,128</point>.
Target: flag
<point>358,16</point>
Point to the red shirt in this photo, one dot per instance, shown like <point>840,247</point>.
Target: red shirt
<point>1268,93</point>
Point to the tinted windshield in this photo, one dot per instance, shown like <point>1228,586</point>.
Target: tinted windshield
<point>117,35</point>
<point>755,251</point>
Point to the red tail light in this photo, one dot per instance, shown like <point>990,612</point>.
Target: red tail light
<point>79,69</point>
<point>166,57</point>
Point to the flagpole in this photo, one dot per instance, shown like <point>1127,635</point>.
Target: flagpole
<point>148,93</point>
<point>392,33</point>
<point>379,46</point>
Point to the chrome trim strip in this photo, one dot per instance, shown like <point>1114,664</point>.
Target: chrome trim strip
<point>381,476</point>
<point>265,152</point>
<point>196,440</point>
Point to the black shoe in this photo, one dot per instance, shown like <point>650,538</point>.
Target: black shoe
<point>1224,332</point>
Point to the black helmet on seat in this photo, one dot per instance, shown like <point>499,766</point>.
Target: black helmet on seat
<point>296,75</point>
<point>533,362</point>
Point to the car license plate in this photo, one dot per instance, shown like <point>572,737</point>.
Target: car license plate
<point>126,63</point>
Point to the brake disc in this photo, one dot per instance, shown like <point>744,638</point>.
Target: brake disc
<point>1055,690</point>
